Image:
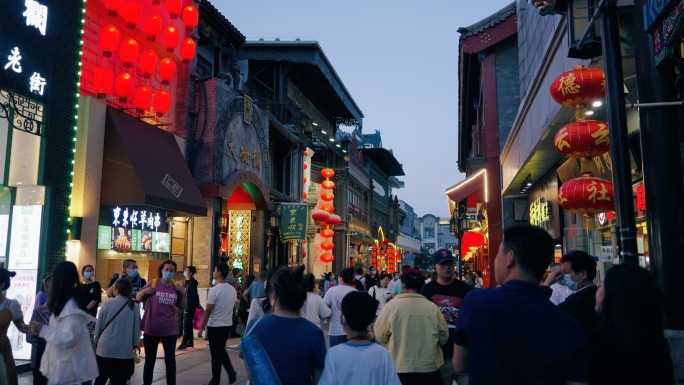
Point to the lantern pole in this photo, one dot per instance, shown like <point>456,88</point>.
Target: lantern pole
<point>617,127</point>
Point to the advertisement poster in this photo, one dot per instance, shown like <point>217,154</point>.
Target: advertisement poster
<point>23,290</point>
<point>161,242</point>
<point>25,239</point>
<point>121,238</point>
<point>146,241</point>
<point>104,238</point>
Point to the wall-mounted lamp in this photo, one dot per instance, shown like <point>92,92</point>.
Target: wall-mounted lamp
<point>526,183</point>
<point>75,227</point>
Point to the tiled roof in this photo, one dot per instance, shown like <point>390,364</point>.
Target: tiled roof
<point>488,22</point>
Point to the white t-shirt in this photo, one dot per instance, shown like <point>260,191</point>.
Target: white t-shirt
<point>560,293</point>
<point>333,298</point>
<point>315,309</point>
<point>14,308</point>
<point>381,294</point>
<point>223,297</point>
<point>347,363</point>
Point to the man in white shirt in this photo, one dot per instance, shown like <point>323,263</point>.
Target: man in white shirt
<point>218,319</point>
<point>559,291</point>
<point>333,298</point>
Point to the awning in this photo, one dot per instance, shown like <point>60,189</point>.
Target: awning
<point>476,183</point>
<point>143,165</point>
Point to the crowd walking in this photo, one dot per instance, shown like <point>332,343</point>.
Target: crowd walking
<point>558,329</point>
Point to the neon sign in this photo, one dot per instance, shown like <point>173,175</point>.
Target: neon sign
<point>36,15</point>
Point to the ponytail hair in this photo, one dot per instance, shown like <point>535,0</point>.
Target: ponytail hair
<point>125,288</point>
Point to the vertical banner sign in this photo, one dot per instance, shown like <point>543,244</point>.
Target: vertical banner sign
<point>5,202</point>
<point>239,239</point>
<point>23,258</point>
<point>293,221</point>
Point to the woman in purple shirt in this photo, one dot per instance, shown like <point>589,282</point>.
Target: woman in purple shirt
<point>161,297</point>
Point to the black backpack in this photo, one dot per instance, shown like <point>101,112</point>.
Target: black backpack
<point>359,285</point>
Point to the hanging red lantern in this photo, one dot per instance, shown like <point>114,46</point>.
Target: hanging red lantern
<point>327,245</point>
<point>129,52</point>
<point>167,70</point>
<point>334,220</point>
<point>579,87</point>
<point>153,26</point>
<point>124,87</point>
<point>586,195</point>
<point>303,254</point>
<point>171,38</point>
<point>148,63</point>
<point>328,208</point>
<point>142,98</point>
<point>583,139</point>
<point>187,49</point>
<point>320,215</point>
<point>327,233</point>
<point>113,7</point>
<point>305,179</point>
<point>327,258</point>
<point>162,102</point>
<point>328,173</point>
<point>174,7</point>
<point>103,80</point>
<point>328,184</point>
<point>306,152</point>
<point>327,196</point>
<point>304,195</point>
<point>306,166</point>
<point>109,40</point>
<point>190,17</point>
<point>132,13</point>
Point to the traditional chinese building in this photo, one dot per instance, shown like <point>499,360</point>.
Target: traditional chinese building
<point>39,54</point>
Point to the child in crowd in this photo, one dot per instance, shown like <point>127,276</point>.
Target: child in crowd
<point>358,357</point>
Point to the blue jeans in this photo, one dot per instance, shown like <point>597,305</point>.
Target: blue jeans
<point>336,340</point>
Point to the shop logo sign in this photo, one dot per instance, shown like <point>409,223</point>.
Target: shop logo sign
<point>173,186</point>
<point>36,15</point>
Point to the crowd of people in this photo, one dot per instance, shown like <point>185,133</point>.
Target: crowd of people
<point>544,324</point>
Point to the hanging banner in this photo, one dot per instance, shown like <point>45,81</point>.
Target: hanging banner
<point>293,221</point>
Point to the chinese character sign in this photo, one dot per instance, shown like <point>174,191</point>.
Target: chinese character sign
<point>238,250</point>
<point>293,221</point>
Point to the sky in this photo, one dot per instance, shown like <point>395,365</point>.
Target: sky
<point>399,61</point>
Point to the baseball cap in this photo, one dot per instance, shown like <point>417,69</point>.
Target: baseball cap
<point>442,255</point>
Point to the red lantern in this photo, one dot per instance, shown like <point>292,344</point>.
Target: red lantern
<point>124,86</point>
<point>327,245</point>
<point>586,195</point>
<point>103,81</point>
<point>326,196</point>
<point>306,152</point>
<point>320,215</point>
<point>167,70</point>
<point>171,38</point>
<point>187,49</point>
<point>328,207</point>
<point>334,220</point>
<point>327,233</point>
<point>583,139</point>
<point>579,87</point>
<point>132,13</point>
<point>306,166</point>
<point>174,7</point>
<point>113,6</point>
<point>153,26</point>
<point>303,254</point>
<point>327,258</point>
<point>304,195</point>
<point>142,98</point>
<point>109,40</point>
<point>162,102</point>
<point>128,52</point>
<point>305,179</point>
<point>190,17</point>
<point>328,173</point>
<point>328,184</point>
<point>148,63</point>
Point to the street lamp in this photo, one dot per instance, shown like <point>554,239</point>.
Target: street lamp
<point>458,225</point>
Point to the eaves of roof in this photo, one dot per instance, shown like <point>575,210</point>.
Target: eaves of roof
<point>488,22</point>
<point>210,14</point>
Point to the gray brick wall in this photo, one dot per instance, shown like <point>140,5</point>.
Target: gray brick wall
<point>507,83</point>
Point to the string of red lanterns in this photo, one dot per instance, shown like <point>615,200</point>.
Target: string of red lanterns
<point>327,196</point>
<point>110,40</point>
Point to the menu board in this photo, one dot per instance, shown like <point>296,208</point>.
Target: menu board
<point>25,240</point>
<point>123,239</point>
<point>23,290</point>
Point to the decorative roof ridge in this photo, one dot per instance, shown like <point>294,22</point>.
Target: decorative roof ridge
<point>206,8</point>
<point>488,22</point>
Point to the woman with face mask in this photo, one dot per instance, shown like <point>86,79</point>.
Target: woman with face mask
<point>92,291</point>
<point>161,297</point>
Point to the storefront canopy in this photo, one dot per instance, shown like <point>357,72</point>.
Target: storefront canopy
<point>476,183</point>
<point>143,165</point>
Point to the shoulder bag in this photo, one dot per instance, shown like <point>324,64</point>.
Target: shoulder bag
<point>259,366</point>
<point>108,322</point>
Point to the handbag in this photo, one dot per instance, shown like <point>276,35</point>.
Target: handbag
<point>197,319</point>
<point>259,366</point>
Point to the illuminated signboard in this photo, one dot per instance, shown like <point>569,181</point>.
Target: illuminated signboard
<point>123,239</point>
<point>25,237</point>
<point>540,212</point>
<point>143,218</point>
<point>23,290</point>
<point>239,240</point>
<point>5,202</point>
